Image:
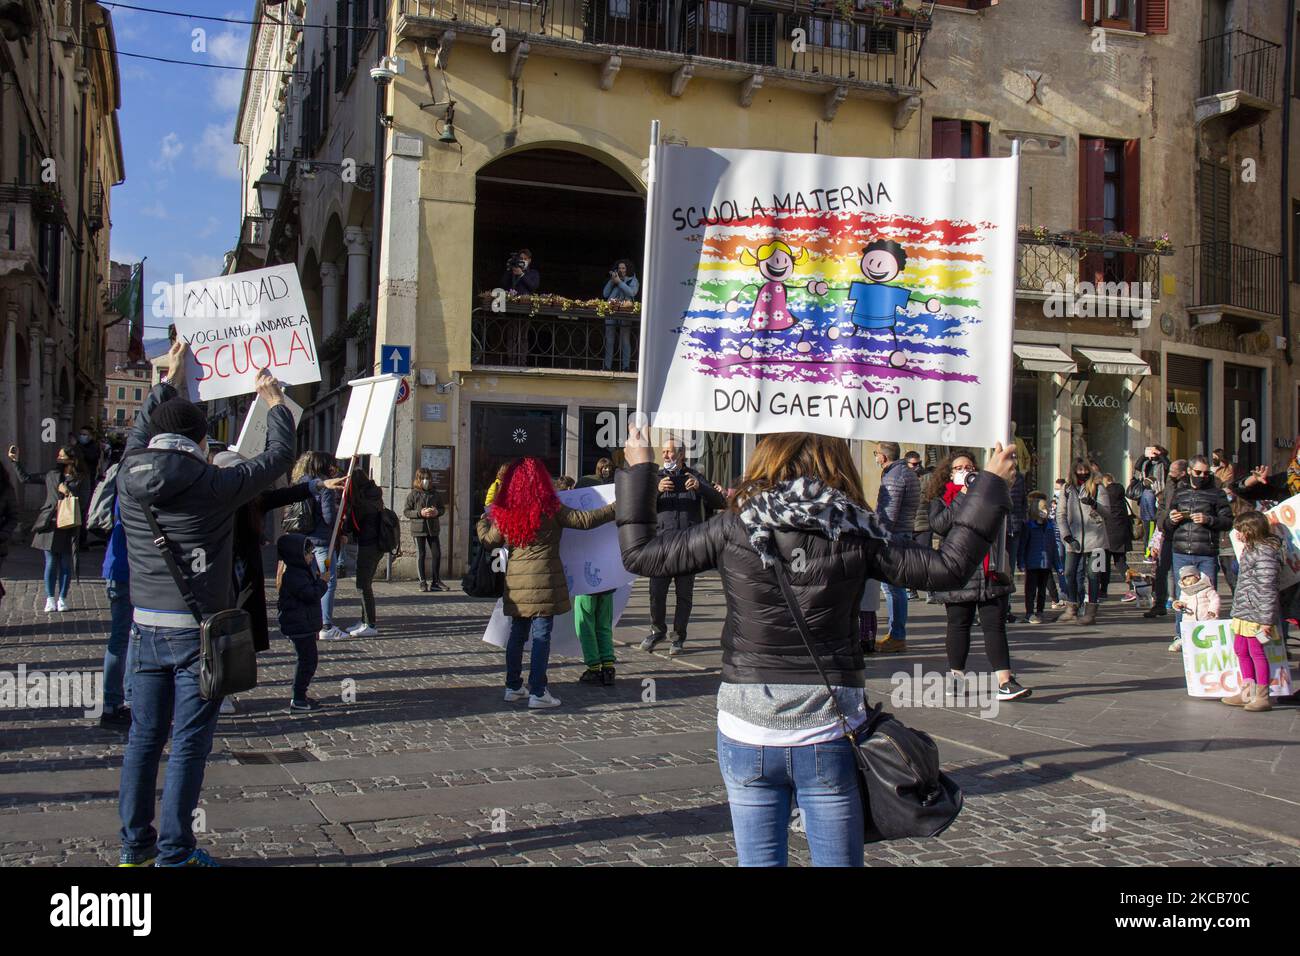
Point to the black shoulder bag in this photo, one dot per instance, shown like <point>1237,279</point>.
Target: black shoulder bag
<point>904,793</point>
<point>227,651</point>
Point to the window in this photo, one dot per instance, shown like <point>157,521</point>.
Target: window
<point>959,139</point>
<point>967,4</point>
<point>1109,201</point>
<point>121,416</point>
<point>620,8</point>
<point>722,17</point>
<point>121,394</point>
<point>835,33</point>
<point>138,394</point>
<point>341,31</point>
<point>1147,16</point>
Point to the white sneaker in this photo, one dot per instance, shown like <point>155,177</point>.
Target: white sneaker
<point>362,630</point>
<point>332,634</point>
<point>546,700</point>
<point>1176,646</point>
<point>62,605</point>
<point>49,604</point>
<point>514,695</point>
<point>228,705</point>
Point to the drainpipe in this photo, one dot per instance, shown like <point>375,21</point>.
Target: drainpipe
<point>1288,253</point>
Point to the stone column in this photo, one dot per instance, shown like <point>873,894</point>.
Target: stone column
<point>329,299</point>
<point>9,392</point>
<point>357,241</point>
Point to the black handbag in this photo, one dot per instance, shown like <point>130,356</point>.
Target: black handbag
<point>904,793</point>
<point>227,651</point>
<point>480,580</point>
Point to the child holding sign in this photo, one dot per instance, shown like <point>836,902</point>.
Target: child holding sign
<point>1254,608</point>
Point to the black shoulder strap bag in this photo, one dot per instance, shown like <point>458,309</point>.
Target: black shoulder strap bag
<point>904,793</point>
<point>226,646</point>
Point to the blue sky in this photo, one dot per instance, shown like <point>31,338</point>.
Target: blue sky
<point>179,205</point>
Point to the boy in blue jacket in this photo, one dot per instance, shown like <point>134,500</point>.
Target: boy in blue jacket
<point>300,587</point>
<point>1039,555</point>
<point>117,654</point>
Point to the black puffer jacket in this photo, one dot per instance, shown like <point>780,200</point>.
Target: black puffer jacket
<point>1116,516</point>
<point>944,519</point>
<point>760,642</point>
<point>1190,537</point>
<point>300,588</point>
<point>680,509</point>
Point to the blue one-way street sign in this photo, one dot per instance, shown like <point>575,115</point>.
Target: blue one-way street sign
<point>395,360</point>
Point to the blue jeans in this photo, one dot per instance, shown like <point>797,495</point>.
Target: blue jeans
<point>165,697</point>
<point>117,655</point>
<point>327,599</point>
<point>58,573</point>
<point>1081,580</point>
<point>896,599</point>
<point>1207,564</point>
<point>763,783</point>
<point>521,628</point>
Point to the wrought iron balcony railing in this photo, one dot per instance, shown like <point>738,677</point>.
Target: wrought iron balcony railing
<point>1226,274</point>
<point>863,48</point>
<point>1054,263</point>
<point>551,337</point>
<point>1238,60</point>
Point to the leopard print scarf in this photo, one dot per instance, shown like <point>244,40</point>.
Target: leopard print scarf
<point>804,504</point>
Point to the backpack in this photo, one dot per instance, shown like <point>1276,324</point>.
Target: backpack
<point>480,580</point>
<point>300,517</point>
<point>102,503</point>
<point>389,531</point>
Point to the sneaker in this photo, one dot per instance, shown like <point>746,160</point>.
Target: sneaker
<point>228,705</point>
<point>1011,690</point>
<point>607,675</point>
<point>62,605</point>
<point>677,646</point>
<point>197,858</point>
<point>590,676</point>
<point>1034,619</point>
<point>424,586</point>
<point>514,695</point>
<point>1057,606</point>
<point>891,645</point>
<point>49,604</point>
<point>1011,619</point>
<point>913,596</point>
<point>954,684</point>
<point>1155,612</point>
<point>116,719</point>
<point>1129,597</point>
<point>131,858</point>
<point>332,634</point>
<point>543,702</point>
<point>1176,646</point>
<point>651,641</point>
<point>304,706</point>
<point>362,630</point>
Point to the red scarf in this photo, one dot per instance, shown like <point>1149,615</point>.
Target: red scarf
<point>950,493</point>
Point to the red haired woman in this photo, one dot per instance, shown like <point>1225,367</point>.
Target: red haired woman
<point>527,518</point>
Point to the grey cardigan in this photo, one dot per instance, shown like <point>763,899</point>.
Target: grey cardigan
<point>1256,597</point>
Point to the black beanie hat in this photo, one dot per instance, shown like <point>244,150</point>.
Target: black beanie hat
<point>180,416</point>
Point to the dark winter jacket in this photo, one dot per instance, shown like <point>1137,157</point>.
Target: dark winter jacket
<point>680,509</point>
<point>8,517</point>
<point>525,284</point>
<point>1188,537</point>
<point>1156,471</point>
<point>899,498</point>
<point>250,576</point>
<point>760,642</point>
<point>116,567</point>
<point>1147,505</point>
<point>326,510</point>
<point>361,511</point>
<point>1113,507</point>
<point>977,585</point>
<point>195,503</point>
<point>417,501</point>
<point>1038,543</point>
<point>47,536</point>
<point>1019,506</point>
<point>301,588</point>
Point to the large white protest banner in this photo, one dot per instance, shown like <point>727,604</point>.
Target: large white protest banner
<point>252,437</point>
<point>238,324</point>
<point>863,298</point>
<point>592,563</point>
<point>1210,661</point>
<point>365,424</point>
<point>1285,519</point>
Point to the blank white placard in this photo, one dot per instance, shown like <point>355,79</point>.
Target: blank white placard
<point>370,406</point>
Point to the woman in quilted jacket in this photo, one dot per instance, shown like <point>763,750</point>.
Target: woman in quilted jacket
<point>527,518</point>
<point>782,734</point>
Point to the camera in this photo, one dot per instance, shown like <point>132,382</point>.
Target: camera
<point>515,262</point>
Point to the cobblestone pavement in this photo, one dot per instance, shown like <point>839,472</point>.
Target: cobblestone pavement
<point>430,766</point>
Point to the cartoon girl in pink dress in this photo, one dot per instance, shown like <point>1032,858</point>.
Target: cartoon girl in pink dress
<point>770,312</point>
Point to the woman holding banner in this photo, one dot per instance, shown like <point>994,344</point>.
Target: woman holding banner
<point>798,515</point>
<point>527,518</point>
<point>314,467</point>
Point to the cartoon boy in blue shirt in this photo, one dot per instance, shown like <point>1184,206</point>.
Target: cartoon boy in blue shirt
<point>876,305</point>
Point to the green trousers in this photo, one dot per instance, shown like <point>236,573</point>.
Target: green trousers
<point>593,619</point>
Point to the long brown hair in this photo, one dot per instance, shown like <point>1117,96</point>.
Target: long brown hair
<point>943,472</point>
<point>1254,529</point>
<point>784,456</point>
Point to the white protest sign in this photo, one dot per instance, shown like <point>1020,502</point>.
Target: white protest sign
<point>365,424</point>
<point>861,298</point>
<point>592,563</point>
<point>1285,519</point>
<point>1210,662</point>
<point>239,324</point>
<point>252,437</point>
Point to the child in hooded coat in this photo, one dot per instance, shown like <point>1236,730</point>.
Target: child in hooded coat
<point>300,588</point>
<point>1198,597</point>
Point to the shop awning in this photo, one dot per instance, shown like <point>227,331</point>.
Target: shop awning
<point>1114,362</point>
<point>1044,358</point>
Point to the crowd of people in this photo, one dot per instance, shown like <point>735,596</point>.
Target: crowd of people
<point>796,526</point>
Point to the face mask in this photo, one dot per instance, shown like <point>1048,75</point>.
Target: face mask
<point>84,439</point>
<point>670,465</point>
<point>1200,481</point>
<point>1080,477</point>
<point>960,477</point>
<point>427,484</point>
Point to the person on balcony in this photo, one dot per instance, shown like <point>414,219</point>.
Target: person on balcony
<point>621,287</point>
<point>520,278</point>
